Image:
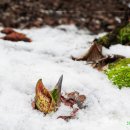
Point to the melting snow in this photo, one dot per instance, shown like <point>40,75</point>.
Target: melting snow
<point>47,57</point>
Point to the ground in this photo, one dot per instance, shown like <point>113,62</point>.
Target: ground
<point>96,16</point>
<point>48,57</point>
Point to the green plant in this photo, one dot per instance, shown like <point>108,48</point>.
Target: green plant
<point>120,35</point>
<point>124,34</point>
<point>119,73</point>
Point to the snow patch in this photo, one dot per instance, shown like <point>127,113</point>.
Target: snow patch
<point>47,57</point>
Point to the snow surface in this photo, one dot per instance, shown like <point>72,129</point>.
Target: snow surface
<point>48,57</point>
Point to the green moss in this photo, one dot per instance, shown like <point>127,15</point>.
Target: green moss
<point>120,63</point>
<point>103,39</point>
<point>119,35</point>
<point>124,34</point>
<point>119,73</point>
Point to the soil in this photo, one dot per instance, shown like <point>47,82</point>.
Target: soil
<point>96,15</point>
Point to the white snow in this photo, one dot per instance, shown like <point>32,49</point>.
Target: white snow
<point>48,57</point>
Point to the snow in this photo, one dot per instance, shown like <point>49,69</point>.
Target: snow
<point>48,57</point>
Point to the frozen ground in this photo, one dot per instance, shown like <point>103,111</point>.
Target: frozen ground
<point>47,57</point>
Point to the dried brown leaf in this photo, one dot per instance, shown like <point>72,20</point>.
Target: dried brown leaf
<point>12,35</point>
<point>7,30</point>
<point>74,98</point>
<point>93,54</point>
<point>95,57</point>
<point>106,60</point>
<point>68,102</point>
<point>81,98</point>
<point>73,94</point>
<point>71,116</point>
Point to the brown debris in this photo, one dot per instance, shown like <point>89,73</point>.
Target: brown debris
<point>95,57</point>
<point>71,116</point>
<point>96,16</point>
<point>33,105</point>
<point>7,30</point>
<point>106,60</point>
<point>74,98</point>
<point>71,99</point>
<point>2,2</point>
<point>93,54</point>
<point>72,95</point>
<point>81,98</point>
<point>68,102</point>
<point>12,35</point>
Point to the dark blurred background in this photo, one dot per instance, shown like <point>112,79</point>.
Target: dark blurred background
<point>96,15</point>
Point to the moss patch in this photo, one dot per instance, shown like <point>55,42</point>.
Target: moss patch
<point>119,73</point>
<point>124,34</point>
<point>119,35</point>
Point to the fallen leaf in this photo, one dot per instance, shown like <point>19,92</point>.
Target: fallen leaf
<point>73,94</point>
<point>81,98</point>
<point>74,98</point>
<point>95,57</point>
<point>12,35</point>
<point>7,30</point>
<point>68,102</point>
<point>93,54</point>
<point>71,116</point>
<point>106,60</point>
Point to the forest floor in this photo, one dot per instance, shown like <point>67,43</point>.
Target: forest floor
<point>96,16</point>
